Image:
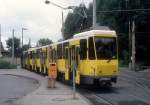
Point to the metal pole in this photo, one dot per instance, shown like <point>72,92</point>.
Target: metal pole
<point>29,42</point>
<point>13,46</point>
<point>0,43</point>
<point>74,89</point>
<point>74,83</point>
<point>130,60</point>
<point>94,13</point>
<point>62,23</point>
<point>129,37</point>
<point>133,46</point>
<point>22,37</point>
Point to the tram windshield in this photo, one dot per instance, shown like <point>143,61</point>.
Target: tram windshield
<point>106,47</point>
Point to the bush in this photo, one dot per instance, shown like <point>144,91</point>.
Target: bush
<point>123,63</point>
<point>6,65</point>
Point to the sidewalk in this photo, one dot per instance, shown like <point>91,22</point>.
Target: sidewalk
<point>61,95</point>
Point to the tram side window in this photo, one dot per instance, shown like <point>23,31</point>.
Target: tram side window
<point>91,49</point>
<point>59,51</point>
<point>46,54</point>
<point>30,55</point>
<point>77,56</point>
<point>64,50</point>
<point>83,49</point>
<point>33,55</point>
<point>55,55</point>
<point>50,54</point>
<point>66,53</point>
<point>43,55</point>
<point>40,54</point>
<point>37,54</point>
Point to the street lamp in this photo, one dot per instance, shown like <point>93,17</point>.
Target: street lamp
<point>0,43</point>
<point>84,15</point>
<point>13,45</point>
<point>94,14</point>
<point>22,34</point>
<point>49,2</point>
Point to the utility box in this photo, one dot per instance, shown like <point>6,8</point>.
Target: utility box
<point>52,75</point>
<point>52,71</point>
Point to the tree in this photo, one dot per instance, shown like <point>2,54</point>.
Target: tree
<point>118,21</point>
<point>44,41</point>
<point>17,50</point>
<point>74,23</point>
<point>25,47</point>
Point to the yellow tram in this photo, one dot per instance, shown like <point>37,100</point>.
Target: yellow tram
<point>93,54</point>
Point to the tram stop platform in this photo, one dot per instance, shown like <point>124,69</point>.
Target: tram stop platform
<point>60,95</point>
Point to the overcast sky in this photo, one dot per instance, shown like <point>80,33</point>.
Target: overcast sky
<point>41,20</point>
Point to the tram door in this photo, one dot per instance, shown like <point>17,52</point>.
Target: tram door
<point>72,61</point>
<point>77,57</point>
<point>67,67</point>
<point>66,58</point>
<point>77,66</point>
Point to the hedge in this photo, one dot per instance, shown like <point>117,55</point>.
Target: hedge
<point>7,65</point>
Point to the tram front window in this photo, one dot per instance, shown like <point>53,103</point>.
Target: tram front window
<point>106,47</point>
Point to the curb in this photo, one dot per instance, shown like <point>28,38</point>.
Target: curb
<point>22,77</point>
<point>39,84</point>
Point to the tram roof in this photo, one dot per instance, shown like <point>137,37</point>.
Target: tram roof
<point>93,32</point>
<point>86,34</point>
<point>79,36</point>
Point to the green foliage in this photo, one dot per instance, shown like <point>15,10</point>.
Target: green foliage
<point>118,21</point>
<point>17,49</point>
<point>16,43</point>
<point>44,41</point>
<point>75,23</point>
<point>125,60</point>
<point>123,63</point>
<point>25,47</point>
<point>6,65</point>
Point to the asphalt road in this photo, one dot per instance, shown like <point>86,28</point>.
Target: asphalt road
<point>132,88</point>
<point>14,87</point>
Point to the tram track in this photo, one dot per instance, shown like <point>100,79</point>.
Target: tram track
<point>116,96</point>
<point>112,98</point>
<point>141,83</point>
<point>108,102</point>
<point>137,82</point>
<point>129,90</point>
<point>95,98</point>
